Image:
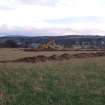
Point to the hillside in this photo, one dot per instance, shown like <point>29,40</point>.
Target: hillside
<point>68,41</point>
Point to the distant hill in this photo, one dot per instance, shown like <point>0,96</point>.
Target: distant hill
<point>69,41</point>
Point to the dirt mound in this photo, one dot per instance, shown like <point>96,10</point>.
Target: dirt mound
<point>59,57</point>
<point>26,59</point>
<point>87,55</point>
<point>42,58</point>
<point>65,56</point>
<point>39,58</point>
<point>53,57</point>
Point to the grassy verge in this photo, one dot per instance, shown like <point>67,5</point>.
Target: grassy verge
<point>53,84</point>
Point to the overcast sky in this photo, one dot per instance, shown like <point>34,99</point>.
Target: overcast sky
<point>57,16</point>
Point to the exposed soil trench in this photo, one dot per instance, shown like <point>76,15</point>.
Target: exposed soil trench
<point>43,58</point>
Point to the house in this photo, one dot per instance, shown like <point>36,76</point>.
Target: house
<point>34,45</point>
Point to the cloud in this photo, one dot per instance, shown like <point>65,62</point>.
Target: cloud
<point>6,8</point>
<point>56,14</point>
<point>8,4</point>
<point>39,2</point>
<point>69,20</point>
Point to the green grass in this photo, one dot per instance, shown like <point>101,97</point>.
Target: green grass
<point>53,84</point>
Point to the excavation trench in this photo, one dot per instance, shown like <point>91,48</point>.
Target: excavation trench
<point>43,58</point>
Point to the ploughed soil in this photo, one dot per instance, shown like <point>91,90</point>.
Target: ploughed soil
<point>43,58</point>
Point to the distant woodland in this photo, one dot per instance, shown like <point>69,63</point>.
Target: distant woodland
<point>69,41</point>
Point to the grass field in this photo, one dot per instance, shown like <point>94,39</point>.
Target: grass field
<point>72,82</point>
<point>11,54</point>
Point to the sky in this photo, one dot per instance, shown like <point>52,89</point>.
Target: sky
<point>52,17</point>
